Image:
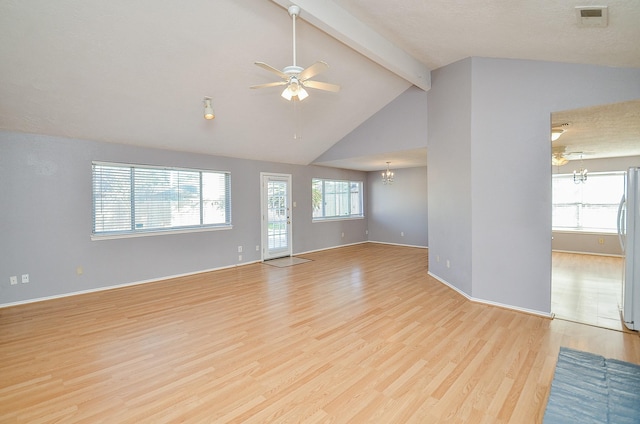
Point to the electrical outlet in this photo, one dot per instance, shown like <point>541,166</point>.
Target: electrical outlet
<point>401,233</point>
<point>342,234</point>
<point>448,264</point>
<point>257,247</point>
<point>239,258</point>
<point>25,278</point>
<point>239,249</point>
<point>601,240</point>
<point>13,280</point>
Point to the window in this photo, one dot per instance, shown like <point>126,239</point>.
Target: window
<point>133,199</point>
<point>592,206</point>
<point>336,199</point>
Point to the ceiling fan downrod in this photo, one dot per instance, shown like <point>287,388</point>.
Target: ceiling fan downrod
<point>294,11</point>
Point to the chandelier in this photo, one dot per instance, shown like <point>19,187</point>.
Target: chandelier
<point>387,176</point>
<point>581,175</point>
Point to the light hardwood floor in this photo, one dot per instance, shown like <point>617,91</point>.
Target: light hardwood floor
<point>587,289</point>
<point>360,334</point>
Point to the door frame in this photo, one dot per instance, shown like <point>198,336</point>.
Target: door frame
<point>264,176</point>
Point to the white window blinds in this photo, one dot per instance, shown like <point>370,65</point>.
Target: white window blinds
<point>589,206</point>
<point>133,199</point>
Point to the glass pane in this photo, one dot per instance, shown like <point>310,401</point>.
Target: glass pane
<point>111,198</point>
<point>277,231</point>
<point>214,207</point>
<point>130,198</point>
<point>332,199</point>
<point>600,217</point>
<point>166,198</point>
<point>588,206</point>
<point>356,198</point>
<point>317,196</point>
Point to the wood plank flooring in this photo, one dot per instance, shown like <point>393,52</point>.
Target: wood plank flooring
<point>587,288</point>
<point>361,334</point>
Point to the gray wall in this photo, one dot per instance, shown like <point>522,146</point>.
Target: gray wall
<point>596,243</point>
<point>400,125</point>
<point>449,174</point>
<point>399,208</point>
<point>501,212</point>
<point>46,218</point>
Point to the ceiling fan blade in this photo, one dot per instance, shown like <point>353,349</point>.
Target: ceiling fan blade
<point>269,84</point>
<point>313,70</point>
<point>270,68</point>
<point>322,86</point>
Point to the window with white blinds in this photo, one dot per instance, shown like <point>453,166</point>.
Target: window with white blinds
<point>336,199</point>
<point>132,199</point>
<point>591,206</point>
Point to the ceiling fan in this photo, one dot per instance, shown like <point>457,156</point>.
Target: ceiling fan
<point>295,78</point>
<point>560,156</point>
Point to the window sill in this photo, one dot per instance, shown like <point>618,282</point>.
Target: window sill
<point>337,218</point>
<point>585,232</point>
<point>98,237</point>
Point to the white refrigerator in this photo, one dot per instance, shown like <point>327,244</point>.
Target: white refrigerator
<point>629,234</point>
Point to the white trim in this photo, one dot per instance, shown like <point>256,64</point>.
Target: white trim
<point>99,289</point>
<point>119,286</point>
<point>264,219</point>
<point>491,303</point>
<point>337,218</point>
<point>344,27</point>
<point>331,247</point>
<point>588,253</point>
<point>398,244</point>
<point>98,237</point>
<point>163,167</point>
<point>590,232</point>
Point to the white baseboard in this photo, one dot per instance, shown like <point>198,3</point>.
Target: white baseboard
<point>153,280</point>
<point>329,248</point>
<point>490,302</point>
<point>118,286</point>
<point>398,244</point>
<point>615,255</point>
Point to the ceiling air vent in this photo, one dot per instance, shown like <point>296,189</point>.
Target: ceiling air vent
<point>592,16</point>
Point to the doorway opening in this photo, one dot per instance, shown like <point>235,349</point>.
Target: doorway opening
<point>587,260</point>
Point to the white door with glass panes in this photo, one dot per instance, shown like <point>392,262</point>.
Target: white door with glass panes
<point>276,215</point>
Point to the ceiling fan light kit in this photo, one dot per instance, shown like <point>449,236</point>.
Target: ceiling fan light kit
<point>558,130</point>
<point>556,133</point>
<point>296,78</point>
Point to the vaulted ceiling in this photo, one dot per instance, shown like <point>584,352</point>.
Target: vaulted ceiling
<point>137,72</point>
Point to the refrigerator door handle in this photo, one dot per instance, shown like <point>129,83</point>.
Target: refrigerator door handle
<point>621,218</point>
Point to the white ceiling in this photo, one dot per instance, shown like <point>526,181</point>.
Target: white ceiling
<point>137,72</point>
<point>601,131</point>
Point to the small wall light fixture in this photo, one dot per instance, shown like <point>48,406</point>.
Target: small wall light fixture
<point>208,110</point>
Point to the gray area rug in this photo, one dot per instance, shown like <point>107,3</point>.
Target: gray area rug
<point>588,388</point>
<point>288,261</point>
